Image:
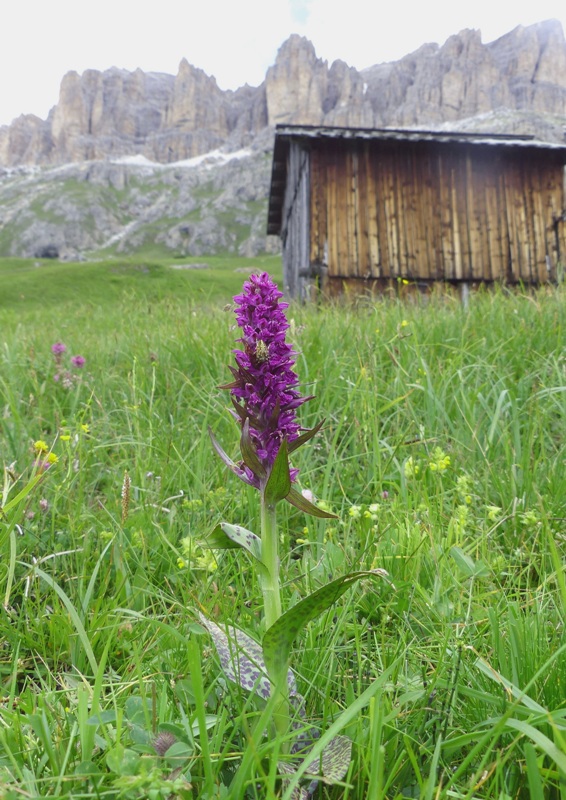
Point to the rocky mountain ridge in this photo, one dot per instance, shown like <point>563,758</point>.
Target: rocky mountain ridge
<point>169,118</point>
<point>134,161</point>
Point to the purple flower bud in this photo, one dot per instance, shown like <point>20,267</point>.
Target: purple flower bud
<point>78,361</point>
<point>58,348</point>
<point>264,390</point>
<point>162,742</point>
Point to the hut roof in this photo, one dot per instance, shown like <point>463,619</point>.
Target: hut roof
<point>284,134</point>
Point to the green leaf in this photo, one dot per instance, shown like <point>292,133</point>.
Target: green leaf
<point>227,537</point>
<point>279,482</point>
<point>77,622</point>
<point>103,718</point>
<point>279,638</point>
<point>122,760</point>
<point>432,775</point>
<point>87,769</point>
<point>209,720</point>
<point>178,752</point>
<point>296,499</point>
<point>536,791</point>
<point>467,566</point>
<point>545,744</point>
<point>519,694</point>
<point>22,494</point>
<point>241,659</point>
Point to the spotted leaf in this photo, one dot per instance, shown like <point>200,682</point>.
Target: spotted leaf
<point>226,537</point>
<point>330,766</point>
<point>279,638</point>
<point>241,659</point>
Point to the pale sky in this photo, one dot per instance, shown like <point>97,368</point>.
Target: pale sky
<point>234,40</point>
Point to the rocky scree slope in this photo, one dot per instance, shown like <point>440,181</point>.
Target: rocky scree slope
<point>106,208</point>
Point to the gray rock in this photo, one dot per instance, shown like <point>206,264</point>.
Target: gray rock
<point>100,208</point>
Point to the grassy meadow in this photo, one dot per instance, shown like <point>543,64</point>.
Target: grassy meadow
<point>443,454</point>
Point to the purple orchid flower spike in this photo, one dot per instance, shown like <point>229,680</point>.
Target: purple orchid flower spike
<point>265,391</point>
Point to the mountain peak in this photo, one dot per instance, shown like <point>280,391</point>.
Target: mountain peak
<point>170,118</point>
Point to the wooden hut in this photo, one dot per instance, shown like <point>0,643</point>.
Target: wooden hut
<point>369,208</point>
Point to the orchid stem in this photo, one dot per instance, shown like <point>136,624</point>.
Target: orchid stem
<point>272,609</point>
<point>270,556</point>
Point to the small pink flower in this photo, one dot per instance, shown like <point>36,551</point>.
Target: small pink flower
<point>78,362</point>
<point>44,505</point>
<point>58,348</point>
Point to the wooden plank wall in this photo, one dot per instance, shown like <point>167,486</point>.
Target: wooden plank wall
<point>296,224</point>
<point>423,211</point>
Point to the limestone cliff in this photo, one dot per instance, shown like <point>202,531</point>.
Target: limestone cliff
<point>169,118</point>
<point>101,114</point>
<point>113,169</point>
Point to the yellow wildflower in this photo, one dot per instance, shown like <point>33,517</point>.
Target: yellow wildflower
<point>206,561</point>
<point>493,513</point>
<point>440,461</point>
<point>411,468</point>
